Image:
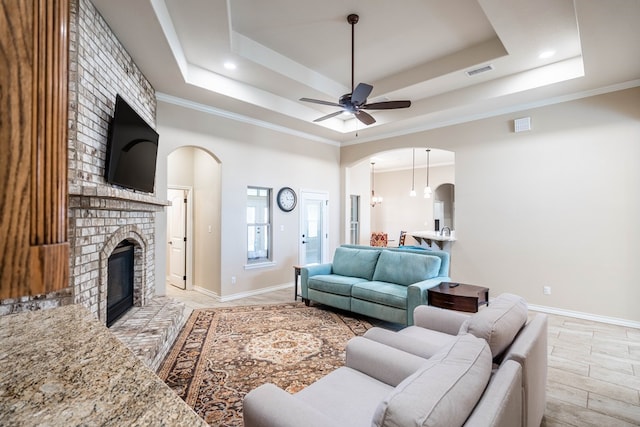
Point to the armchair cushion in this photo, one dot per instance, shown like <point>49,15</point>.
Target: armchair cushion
<point>405,268</point>
<point>444,391</point>
<point>348,397</point>
<point>499,322</point>
<point>355,262</point>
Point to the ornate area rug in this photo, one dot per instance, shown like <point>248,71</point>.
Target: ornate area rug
<point>224,353</point>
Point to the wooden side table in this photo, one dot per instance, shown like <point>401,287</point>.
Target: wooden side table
<point>458,296</point>
<point>296,274</point>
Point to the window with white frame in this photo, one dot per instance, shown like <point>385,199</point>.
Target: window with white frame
<point>258,225</point>
<point>354,220</point>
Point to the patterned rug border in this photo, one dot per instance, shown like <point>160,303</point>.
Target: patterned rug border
<point>198,338</point>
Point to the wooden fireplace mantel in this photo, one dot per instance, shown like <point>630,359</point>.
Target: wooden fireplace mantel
<point>34,251</point>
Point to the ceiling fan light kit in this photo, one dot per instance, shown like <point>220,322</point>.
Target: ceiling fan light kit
<point>356,101</point>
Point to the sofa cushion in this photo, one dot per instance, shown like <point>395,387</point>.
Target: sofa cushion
<point>381,293</point>
<point>355,262</point>
<point>405,268</point>
<point>499,322</point>
<point>333,283</point>
<point>444,391</point>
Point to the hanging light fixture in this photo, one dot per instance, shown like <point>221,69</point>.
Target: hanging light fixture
<point>375,200</point>
<point>412,193</point>
<point>427,189</point>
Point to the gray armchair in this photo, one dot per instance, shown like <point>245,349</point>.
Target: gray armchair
<point>384,386</point>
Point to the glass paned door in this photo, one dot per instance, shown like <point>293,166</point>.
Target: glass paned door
<point>313,226</point>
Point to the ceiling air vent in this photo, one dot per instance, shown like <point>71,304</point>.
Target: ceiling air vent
<point>480,70</point>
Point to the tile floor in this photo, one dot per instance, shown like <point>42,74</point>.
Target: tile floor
<point>594,368</point>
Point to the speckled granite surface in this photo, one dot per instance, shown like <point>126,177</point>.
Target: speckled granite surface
<point>62,367</point>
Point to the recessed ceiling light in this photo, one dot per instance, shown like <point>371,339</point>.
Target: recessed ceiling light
<point>546,54</point>
<point>230,65</point>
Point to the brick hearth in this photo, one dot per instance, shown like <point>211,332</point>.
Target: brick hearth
<point>150,331</point>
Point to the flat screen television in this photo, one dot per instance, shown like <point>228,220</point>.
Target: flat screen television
<point>132,148</point>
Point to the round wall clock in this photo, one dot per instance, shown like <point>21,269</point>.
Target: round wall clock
<point>287,199</point>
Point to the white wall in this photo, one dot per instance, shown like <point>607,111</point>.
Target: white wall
<point>250,155</point>
<point>556,206</point>
<point>206,222</point>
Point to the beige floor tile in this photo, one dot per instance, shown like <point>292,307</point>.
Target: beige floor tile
<point>614,408</point>
<point>605,388</point>
<point>583,348</point>
<point>614,363</point>
<point>559,413</point>
<point>575,337</point>
<point>567,394</point>
<point>626,380</point>
<point>568,364</point>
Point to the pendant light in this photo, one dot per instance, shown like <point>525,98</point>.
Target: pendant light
<point>427,189</point>
<point>412,193</point>
<point>375,200</point>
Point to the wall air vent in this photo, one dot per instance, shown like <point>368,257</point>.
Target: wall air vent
<point>480,70</point>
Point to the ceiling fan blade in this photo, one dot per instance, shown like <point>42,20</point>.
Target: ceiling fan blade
<point>328,116</point>
<point>360,94</point>
<point>387,105</point>
<point>365,118</point>
<point>318,101</point>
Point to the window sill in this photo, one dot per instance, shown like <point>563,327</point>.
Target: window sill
<point>258,265</point>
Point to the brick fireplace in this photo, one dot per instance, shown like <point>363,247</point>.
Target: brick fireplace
<point>100,215</point>
<point>98,223</point>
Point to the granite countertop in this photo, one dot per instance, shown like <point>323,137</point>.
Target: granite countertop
<point>63,367</point>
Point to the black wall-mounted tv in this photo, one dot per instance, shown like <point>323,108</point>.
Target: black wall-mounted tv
<point>132,148</point>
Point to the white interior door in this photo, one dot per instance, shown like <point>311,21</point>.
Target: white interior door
<point>314,230</point>
<point>177,233</point>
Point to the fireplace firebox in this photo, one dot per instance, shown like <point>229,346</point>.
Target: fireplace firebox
<point>120,281</point>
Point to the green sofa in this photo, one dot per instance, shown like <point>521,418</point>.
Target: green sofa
<point>383,283</point>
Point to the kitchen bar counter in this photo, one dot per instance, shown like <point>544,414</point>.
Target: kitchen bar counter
<point>63,367</point>
<point>431,236</point>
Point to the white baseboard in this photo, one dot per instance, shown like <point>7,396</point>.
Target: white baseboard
<point>540,308</point>
<point>207,292</point>
<point>585,316</point>
<point>241,294</point>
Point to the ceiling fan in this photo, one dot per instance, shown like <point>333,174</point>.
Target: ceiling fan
<point>356,101</point>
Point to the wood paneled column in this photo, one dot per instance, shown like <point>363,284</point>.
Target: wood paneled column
<point>34,252</point>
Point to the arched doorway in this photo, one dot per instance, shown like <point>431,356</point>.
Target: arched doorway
<point>195,173</point>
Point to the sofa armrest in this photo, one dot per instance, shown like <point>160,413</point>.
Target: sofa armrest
<point>309,271</point>
<point>270,406</point>
<point>439,319</point>
<point>501,403</point>
<point>382,362</point>
<point>529,349</point>
<point>406,343</point>
<point>417,294</point>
